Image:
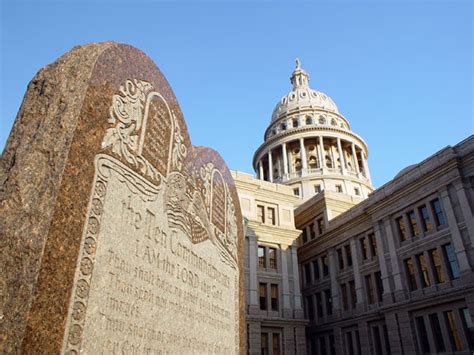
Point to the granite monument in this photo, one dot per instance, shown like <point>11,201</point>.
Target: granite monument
<point>117,234</point>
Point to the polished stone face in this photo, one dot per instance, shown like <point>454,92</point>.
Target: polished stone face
<point>143,254</point>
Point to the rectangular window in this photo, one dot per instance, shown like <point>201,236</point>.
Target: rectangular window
<point>468,326</point>
<point>311,231</point>
<point>319,305</point>
<point>264,344</point>
<point>425,218</point>
<point>452,262</point>
<point>263,296</point>
<point>350,344</point>
<point>328,298</point>
<point>453,330</point>
<point>370,289</point>
<point>364,248</point>
<point>425,277</point>
<point>320,226</point>
<point>322,346</point>
<point>422,334</point>
<point>272,254</point>
<point>377,340</point>
<point>357,342</point>
<point>276,344</point>
<point>260,214</point>
<point>379,285</point>
<point>338,188</point>
<point>304,235</point>
<point>436,262</point>
<point>310,307</point>
<point>324,260</point>
<point>437,333</point>
<point>340,259</point>
<point>271,216</point>
<point>356,191</point>
<point>352,291</point>
<point>262,260</point>
<point>316,269</point>
<point>307,273</point>
<point>413,225</point>
<point>388,349</point>
<point>296,191</point>
<point>410,272</point>
<point>332,344</point>
<point>317,189</point>
<point>274,296</point>
<point>402,231</point>
<point>347,249</point>
<point>438,212</point>
<point>345,301</point>
<point>373,244</point>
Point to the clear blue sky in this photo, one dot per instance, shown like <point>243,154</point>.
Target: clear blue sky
<point>400,71</point>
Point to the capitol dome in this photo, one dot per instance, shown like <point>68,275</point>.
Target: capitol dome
<point>309,145</point>
<point>302,96</point>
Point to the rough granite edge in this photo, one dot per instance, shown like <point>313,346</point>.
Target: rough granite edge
<point>31,169</point>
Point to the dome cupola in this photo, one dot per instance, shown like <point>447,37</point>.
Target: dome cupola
<point>309,144</point>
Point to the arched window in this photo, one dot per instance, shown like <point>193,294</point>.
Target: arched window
<point>309,120</point>
<point>295,123</point>
<point>298,165</point>
<point>313,162</point>
<point>283,126</point>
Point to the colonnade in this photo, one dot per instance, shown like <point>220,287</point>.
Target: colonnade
<point>305,156</point>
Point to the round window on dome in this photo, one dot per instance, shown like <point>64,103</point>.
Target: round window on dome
<point>292,96</point>
<point>322,120</point>
<point>333,122</point>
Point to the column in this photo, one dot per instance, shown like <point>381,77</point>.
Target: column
<point>341,157</point>
<point>366,166</point>
<point>382,262</point>
<point>290,163</point>
<point>270,166</point>
<point>303,154</point>
<point>298,310</point>
<point>392,249</point>
<point>285,159</point>
<point>456,237</point>
<point>253,284</point>
<point>322,158</point>
<point>357,275</point>
<point>260,170</point>
<point>285,283</point>
<point>354,157</point>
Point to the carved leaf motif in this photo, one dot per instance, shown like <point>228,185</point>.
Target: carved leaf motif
<point>111,137</point>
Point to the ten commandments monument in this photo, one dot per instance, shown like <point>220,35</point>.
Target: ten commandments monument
<point>117,235</point>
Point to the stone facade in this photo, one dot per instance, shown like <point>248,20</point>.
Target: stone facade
<point>275,323</point>
<point>394,273</point>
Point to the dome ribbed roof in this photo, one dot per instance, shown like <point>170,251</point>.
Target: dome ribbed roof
<point>302,96</point>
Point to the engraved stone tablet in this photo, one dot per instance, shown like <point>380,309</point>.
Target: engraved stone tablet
<point>118,236</point>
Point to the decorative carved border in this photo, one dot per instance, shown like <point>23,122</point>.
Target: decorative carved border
<point>80,293</point>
